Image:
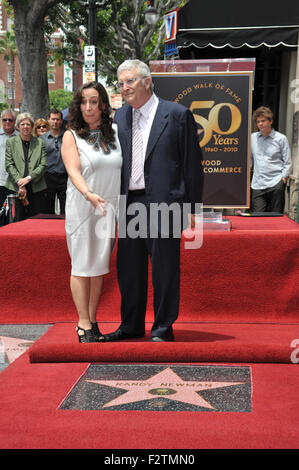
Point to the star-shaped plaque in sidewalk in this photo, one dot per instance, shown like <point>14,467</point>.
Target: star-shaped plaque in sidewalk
<point>13,347</point>
<point>156,387</point>
<point>166,384</point>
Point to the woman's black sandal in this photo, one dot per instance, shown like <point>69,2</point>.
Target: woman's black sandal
<point>87,336</point>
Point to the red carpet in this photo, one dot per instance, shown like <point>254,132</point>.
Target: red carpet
<point>250,274</point>
<point>31,395</point>
<point>239,306</point>
<point>248,343</point>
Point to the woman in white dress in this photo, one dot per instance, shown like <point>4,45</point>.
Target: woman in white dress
<point>92,157</point>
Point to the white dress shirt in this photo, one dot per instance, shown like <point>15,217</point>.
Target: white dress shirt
<point>148,111</point>
<point>271,159</point>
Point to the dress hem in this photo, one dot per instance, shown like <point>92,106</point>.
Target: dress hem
<point>91,275</point>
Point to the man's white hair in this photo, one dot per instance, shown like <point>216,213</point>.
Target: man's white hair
<point>8,111</point>
<point>133,64</point>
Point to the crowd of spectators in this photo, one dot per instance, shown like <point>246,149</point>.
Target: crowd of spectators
<point>31,167</point>
<point>32,175</point>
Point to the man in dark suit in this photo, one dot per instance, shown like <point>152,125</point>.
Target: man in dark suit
<point>163,135</point>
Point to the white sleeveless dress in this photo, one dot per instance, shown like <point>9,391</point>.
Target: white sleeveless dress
<point>90,234</point>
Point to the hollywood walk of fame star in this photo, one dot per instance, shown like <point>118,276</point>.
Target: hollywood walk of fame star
<point>166,384</point>
<point>13,347</point>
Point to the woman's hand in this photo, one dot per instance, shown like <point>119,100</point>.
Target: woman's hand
<point>23,181</point>
<point>97,201</point>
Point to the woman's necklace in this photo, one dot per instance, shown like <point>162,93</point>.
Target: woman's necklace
<point>96,140</point>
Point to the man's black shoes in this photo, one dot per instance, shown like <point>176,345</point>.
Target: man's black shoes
<point>119,335</point>
<point>159,339</point>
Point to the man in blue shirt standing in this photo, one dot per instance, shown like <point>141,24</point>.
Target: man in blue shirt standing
<point>271,161</point>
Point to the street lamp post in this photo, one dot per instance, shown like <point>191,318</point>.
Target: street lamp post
<point>92,28</point>
<point>92,22</point>
<point>92,31</point>
<point>151,15</point>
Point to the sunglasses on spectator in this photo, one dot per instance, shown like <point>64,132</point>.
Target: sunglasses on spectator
<point>7,119</point>
<point>43,126</point>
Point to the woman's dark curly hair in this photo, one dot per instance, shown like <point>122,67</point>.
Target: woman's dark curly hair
<point>75,118</point>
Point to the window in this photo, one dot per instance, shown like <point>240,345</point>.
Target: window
<point>10,93</point>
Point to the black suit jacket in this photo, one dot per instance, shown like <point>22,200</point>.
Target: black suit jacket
<point>173,160</point>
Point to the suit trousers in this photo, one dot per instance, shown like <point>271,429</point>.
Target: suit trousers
<point>132,267</point>
<point>56,184</point>
<point>269,199</point>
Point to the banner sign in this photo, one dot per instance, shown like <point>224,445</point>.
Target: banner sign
<point>89,58</point>
<point>89,69</point>
<point>170,23</point>
<point>67,77</point>
<point>221,106</point>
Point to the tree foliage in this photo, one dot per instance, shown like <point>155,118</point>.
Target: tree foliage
<point>60,99</point>
<point>122,33</point>
<point>8,46</point>
<point>9,50</point>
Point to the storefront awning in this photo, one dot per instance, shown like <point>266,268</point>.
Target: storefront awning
<point>234,24</point>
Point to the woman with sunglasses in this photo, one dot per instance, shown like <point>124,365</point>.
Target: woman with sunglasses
<point>40,127</point>
<point>26,163</point>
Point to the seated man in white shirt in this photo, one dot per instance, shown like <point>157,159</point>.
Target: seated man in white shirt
<point>271,160</point>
